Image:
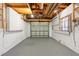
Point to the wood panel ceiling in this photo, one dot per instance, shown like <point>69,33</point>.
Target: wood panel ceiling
<point>21,8</point>
<point>38,10</point>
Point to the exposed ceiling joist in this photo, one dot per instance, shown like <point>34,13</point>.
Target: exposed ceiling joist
<point>52,8</point>
<point>52,14</point>
<point>48,8</point>
<point>38,10</point>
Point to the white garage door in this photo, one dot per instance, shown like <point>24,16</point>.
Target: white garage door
<point>39,29</point>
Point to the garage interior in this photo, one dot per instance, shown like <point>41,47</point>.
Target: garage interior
<point>39,29</point>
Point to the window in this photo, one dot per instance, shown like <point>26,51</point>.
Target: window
<point>66,23</point>
<point>62,24</point>
<point>55,24</point>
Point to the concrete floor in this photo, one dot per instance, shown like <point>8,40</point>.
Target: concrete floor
<point>40,47</point>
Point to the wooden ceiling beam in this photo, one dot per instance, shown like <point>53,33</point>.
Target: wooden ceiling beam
<point>35,8</point>
<point>38,20</point>
<point>48,8</point>
<point>51,10</point>
<point>56,8</point>
<point>60,8</point>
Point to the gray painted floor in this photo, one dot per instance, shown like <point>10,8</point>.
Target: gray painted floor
<point>40,47</point>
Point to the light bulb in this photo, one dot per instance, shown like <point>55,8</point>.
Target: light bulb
<point>32,16</point>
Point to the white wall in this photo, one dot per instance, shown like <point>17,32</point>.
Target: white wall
<point>1,40</point>
<point>50,29</point>
<point>14,20</point>
<point>14,37</point>
<point>77,37</point>
<point>64,37</point>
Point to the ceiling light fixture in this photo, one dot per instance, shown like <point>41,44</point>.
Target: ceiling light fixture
<point>32,16</point>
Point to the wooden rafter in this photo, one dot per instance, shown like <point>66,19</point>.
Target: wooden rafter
<point>47,10</point>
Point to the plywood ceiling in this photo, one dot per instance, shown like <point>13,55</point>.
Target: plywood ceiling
<point>23,10</point>
<point>17,5</point>
<point>38,10</point>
